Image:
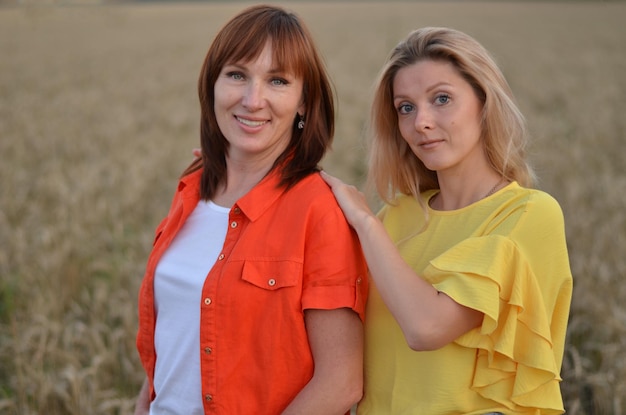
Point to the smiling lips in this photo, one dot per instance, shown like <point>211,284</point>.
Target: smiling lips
<point>250,123</point>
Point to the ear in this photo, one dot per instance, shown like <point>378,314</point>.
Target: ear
<point>302,109</point>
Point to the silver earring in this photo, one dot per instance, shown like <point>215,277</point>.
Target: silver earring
<point>301,123</point>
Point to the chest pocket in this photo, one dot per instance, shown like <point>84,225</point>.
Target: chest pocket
<point>272,275</point>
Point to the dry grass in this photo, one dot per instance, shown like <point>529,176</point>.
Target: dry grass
<point>98,115</point>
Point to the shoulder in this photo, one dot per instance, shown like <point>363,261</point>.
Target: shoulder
<point>312,190</point>
<point>534,217</point>
<point>403,204</point>
<point>535,204</point>
<point>189,183</point>
<point>312,204</point>
<point>310,200</point>
<point>187,190</point>
<point>402,217</point>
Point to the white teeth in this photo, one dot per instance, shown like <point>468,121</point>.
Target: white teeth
<point>251,123</point>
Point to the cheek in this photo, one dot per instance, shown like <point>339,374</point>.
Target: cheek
<point>474,128</point>
<point>218,104</point>
<point>220,98</point>
<point>220,109</point>
<point>474,118</point>
<point>225,95</point>
<point>405,126</point>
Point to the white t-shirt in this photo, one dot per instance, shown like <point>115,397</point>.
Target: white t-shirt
<point>178,282</point>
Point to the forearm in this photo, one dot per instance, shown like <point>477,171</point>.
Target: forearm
<point>429,319</point>
<point>325,397</point>
<point>409,298</point>
<point>336,340</point>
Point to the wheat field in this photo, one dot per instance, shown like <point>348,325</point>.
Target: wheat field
<point>98,116</point>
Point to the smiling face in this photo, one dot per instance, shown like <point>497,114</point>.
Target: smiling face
<point>439,116</point>
<point>255,106</point>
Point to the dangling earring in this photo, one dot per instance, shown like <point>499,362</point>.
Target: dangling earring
<point>301,122</point>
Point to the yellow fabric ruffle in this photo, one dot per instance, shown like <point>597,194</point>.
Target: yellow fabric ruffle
<point>516,358</point>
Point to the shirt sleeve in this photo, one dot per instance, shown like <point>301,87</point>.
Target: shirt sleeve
<point>525,297</point>
<point>335,271</point>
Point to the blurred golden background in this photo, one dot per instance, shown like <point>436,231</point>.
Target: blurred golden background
<point>99,113</point>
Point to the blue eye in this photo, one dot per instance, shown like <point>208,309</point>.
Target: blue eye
<point>237,76</point>
<point>442,99</point>
<point>279,81</point>
<point>405,108</point>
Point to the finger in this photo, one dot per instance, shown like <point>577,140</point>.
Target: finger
<point>330,180</point>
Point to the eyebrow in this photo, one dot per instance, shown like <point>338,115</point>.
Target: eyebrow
<point>438,85</point>
<point>428,90</point>
<point>242,67</point>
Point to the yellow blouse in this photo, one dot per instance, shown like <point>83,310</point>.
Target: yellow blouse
<point>506,256</point>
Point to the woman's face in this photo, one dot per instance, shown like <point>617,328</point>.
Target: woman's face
<point>439,116</point>
<point>255,106</point>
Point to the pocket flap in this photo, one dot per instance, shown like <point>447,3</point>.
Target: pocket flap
<point>272,274</point>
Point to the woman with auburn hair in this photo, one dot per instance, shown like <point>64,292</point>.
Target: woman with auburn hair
<point>254,292</point>
<point>471,284</point>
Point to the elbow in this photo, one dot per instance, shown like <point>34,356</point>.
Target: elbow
<point>434,331</point>
<point>423,339</point>
<point>352,392</point>
<point>356,393</point>
<point>352,397</point>
<point>421,345</point>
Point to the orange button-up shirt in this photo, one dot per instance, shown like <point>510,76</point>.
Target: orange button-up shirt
<point>284,252</point>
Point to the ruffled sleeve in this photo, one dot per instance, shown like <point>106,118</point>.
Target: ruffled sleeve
<point>517,364</point>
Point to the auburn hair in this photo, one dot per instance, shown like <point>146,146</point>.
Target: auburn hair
<point>243,39</point>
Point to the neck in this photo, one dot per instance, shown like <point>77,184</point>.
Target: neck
<point>457,194</point>
<point>240,179</point>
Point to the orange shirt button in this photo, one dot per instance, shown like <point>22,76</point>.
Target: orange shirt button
<point>272,282</point>
<point>220,257</point>
<point>237,211</point>
<point>208,350</point>
<point>207,301</point>
<point>358,280</point>
<point>208,397</point>
<point>233,225</point>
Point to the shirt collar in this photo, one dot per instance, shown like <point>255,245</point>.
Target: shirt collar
<point>252,204</point>
<point>262,196</point>
<point>189,185</point>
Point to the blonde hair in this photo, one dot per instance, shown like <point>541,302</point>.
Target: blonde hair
<point>393,168</point>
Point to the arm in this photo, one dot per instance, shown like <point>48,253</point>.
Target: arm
<point>428,318</point>
<point>142,405</point>
<point>336,340</point>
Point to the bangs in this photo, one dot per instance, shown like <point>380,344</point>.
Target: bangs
<point>291,53</point>
<point>290,50</point>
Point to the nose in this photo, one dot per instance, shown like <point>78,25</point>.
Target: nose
<point>253,96</point>
<point>423,120</point>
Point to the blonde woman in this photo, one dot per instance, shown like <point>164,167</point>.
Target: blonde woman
<point>471,284</point>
